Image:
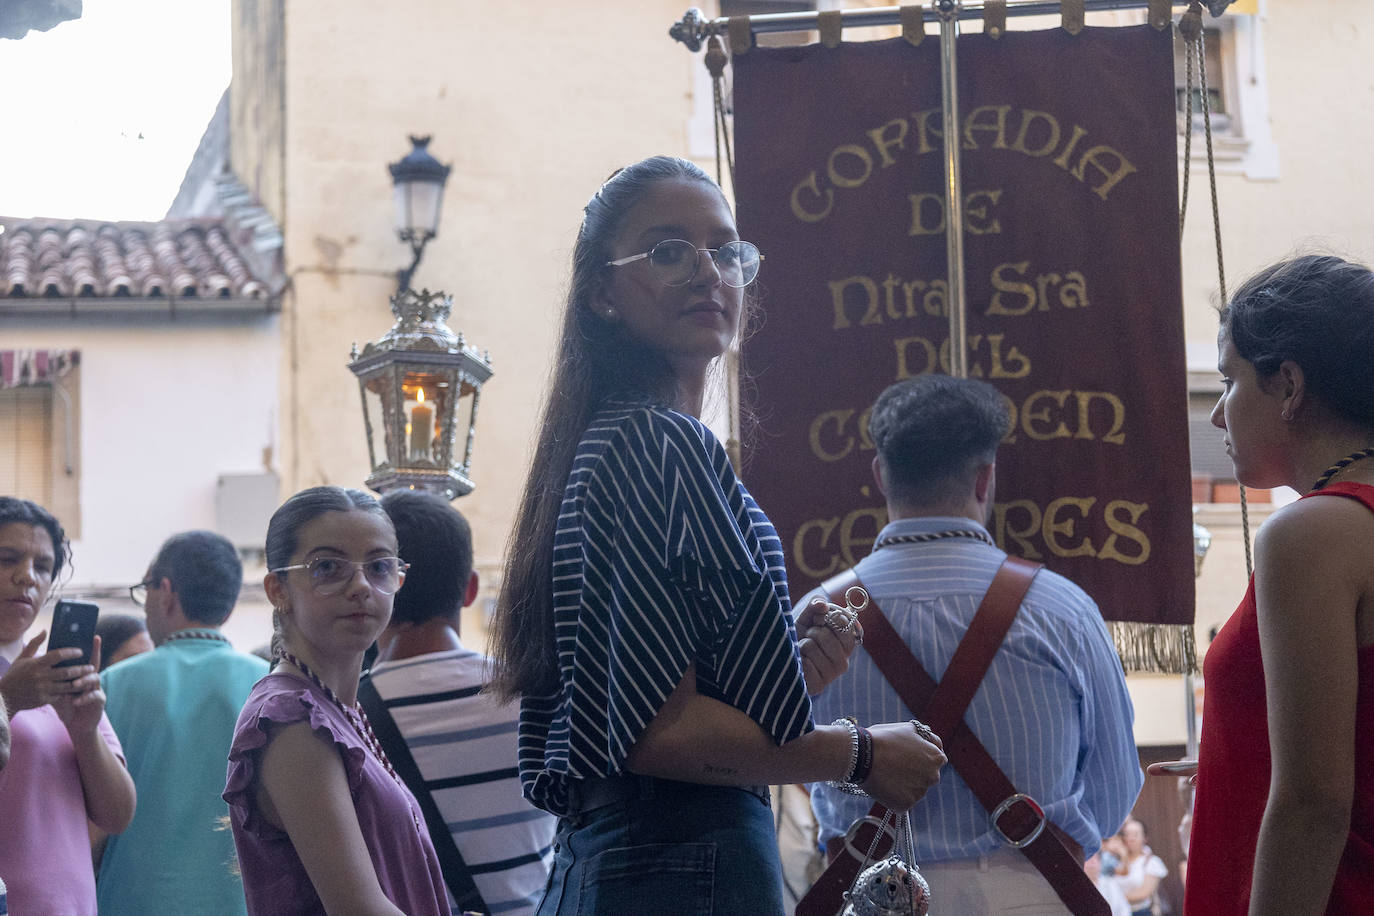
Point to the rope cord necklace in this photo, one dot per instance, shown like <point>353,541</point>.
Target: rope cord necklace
<point>196,633</point>
<point>936,536</point>
<point>354,714</point>
<point>1341,466</point>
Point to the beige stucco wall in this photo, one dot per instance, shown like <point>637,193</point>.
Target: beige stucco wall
<point>533,106</point>
<point>1320,87</point>
<point>257,110</point>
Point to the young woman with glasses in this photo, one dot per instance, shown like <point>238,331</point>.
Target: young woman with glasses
<point>321,821</point>
<point>644,619</point>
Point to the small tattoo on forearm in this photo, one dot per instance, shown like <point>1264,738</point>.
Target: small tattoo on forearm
<point>721,771</point>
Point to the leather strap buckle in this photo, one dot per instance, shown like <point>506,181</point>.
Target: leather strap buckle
<point>852,834</point>
<point>1004,806</point>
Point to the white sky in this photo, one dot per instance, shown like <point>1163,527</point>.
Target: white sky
<point>78,96</point>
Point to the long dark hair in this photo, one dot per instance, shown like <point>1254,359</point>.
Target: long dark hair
<point>596,359</point>
<point>1318,311</point>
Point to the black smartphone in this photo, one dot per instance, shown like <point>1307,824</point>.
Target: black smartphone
<point>73,625</point>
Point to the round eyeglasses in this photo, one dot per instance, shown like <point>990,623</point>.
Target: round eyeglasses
<point>331,575</point>
<point>676,262</point>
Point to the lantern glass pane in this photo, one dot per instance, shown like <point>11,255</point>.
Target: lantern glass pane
<point>463,428</point>
<point>400,196</point>
<point>374,414</point>
<point>424,207</point>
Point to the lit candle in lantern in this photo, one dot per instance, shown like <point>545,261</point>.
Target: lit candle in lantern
<point>421,427</point>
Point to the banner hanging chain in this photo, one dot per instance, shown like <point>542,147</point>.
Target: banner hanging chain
<point>716,61</point>
<point>1216,232</point>
<point>1188,85</point>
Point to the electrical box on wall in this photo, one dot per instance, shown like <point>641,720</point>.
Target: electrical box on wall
<point>243,505</point>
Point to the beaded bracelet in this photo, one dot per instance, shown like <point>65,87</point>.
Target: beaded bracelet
<point>855,747</point>
<point>860,757</point>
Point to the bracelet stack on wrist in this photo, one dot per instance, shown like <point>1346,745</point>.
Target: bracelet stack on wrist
<point>860,757</point>
<point>865,767</point>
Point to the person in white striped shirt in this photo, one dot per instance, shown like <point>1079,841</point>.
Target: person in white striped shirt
<point>460,739</point>
<point>1052,710</point>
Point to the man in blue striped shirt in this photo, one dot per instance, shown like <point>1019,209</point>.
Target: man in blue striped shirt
<point>1052,710</point>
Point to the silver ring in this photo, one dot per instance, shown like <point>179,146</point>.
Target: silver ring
<point>839,620</point>
<point>924,730</point>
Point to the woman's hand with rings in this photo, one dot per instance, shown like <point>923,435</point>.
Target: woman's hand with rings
<point>906,763</point>
<point>36,680</point>
<point>829,634</point>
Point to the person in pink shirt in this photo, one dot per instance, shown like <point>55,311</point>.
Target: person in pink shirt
<point>66,766</point>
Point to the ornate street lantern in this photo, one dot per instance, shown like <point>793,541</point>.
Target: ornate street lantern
<point>420,386</point>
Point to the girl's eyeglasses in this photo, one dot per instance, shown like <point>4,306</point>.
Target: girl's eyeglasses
<point>330,575</point>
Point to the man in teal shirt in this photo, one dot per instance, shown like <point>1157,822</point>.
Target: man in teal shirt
<point>174,710</point>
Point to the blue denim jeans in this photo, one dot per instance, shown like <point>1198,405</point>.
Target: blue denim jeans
<point>677,849</point>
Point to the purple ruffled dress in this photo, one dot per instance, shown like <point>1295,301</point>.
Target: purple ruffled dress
<point>274,880</point>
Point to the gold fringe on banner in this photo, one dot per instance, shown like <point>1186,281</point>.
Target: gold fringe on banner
<point>1161,14</point>
<point>831,25</point>
<point>913,24</point>
<point>741,34</point>
<point>1154,648</point>
<point>994,18</point>
<point>1072,11</point>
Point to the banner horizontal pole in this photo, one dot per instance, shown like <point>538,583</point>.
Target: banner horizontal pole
<point>694,28</point>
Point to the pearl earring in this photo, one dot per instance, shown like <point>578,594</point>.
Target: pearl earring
<point>1287,414</point>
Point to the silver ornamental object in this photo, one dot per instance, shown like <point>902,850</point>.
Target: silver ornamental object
<point>890,887</point>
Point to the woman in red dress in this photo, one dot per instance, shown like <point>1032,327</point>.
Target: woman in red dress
<point>1284,819</point>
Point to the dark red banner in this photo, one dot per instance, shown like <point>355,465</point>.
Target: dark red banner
<point>1072,279</point>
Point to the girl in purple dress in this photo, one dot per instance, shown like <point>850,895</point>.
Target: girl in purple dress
<point>321,821</point>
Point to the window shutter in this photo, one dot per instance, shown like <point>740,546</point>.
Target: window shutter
<point>26,437</point>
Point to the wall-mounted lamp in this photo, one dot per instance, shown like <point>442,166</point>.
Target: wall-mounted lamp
<point>418,191</point>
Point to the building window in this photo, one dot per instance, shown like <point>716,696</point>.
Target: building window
<point>1237,94</point>
<point>26,430</point>
<point>39,431</point>
<point>1216,81</point>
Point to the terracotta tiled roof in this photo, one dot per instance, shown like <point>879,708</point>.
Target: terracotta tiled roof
<point>172,259</point>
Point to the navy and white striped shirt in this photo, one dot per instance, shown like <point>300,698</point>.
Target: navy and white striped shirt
<point>1052,710</point>
<point>463,743</point>
<point>661,559</point>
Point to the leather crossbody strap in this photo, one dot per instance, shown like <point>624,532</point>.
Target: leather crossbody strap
<point>455,870</point>
<point>1020,820</point>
